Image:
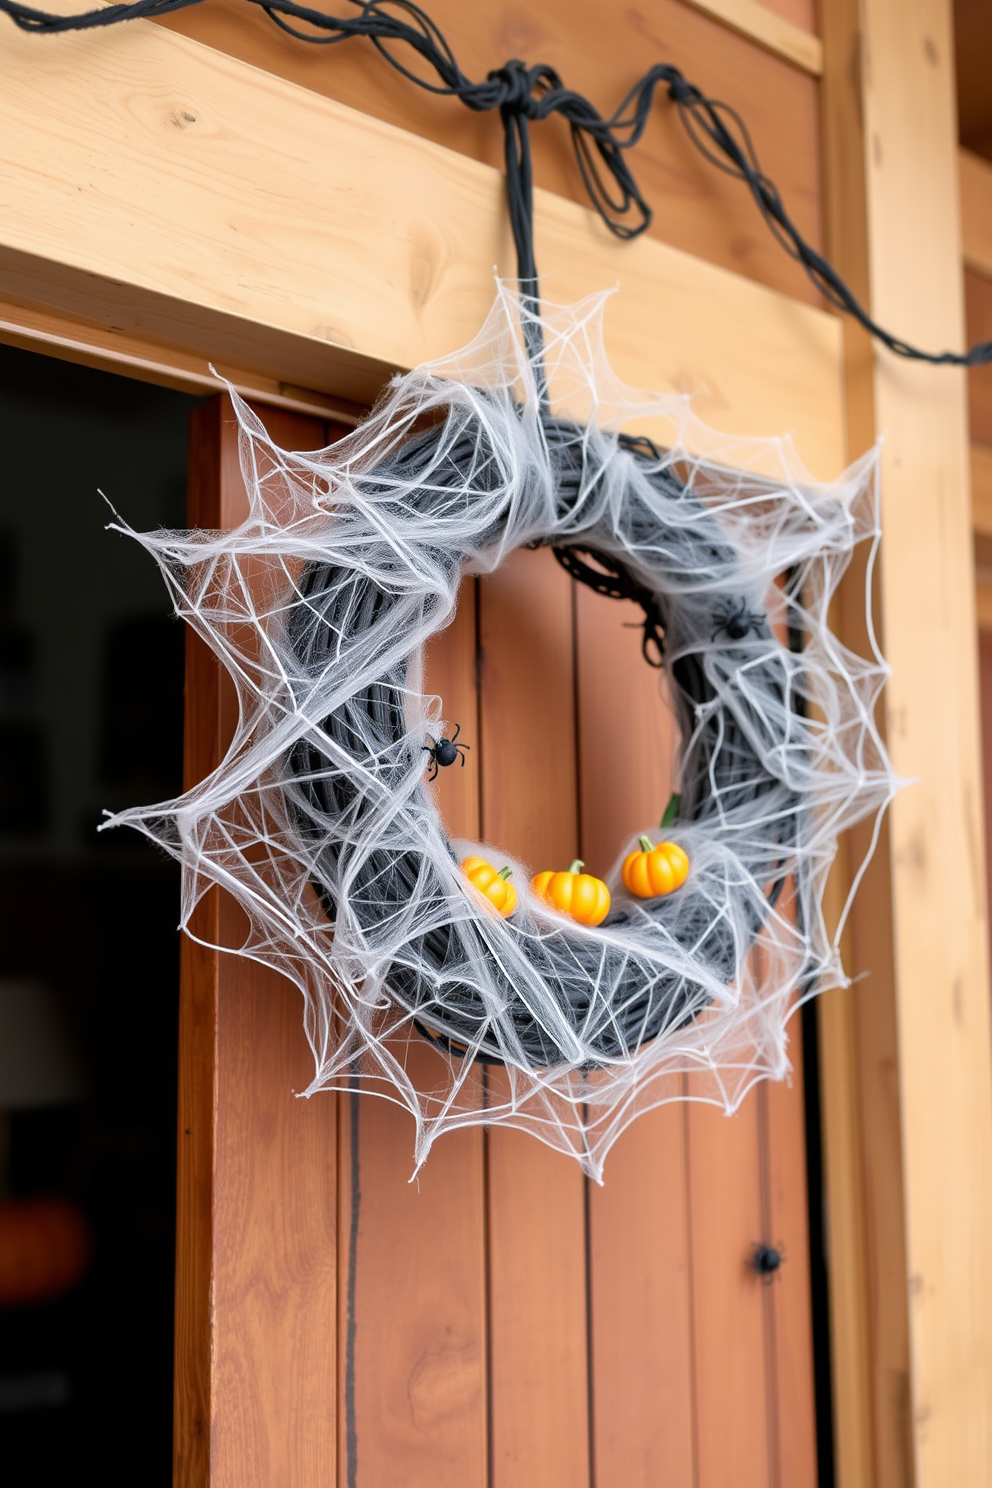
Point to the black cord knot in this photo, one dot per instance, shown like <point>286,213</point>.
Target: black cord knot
<point>516,87</point>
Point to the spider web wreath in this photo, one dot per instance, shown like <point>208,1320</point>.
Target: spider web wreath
<point>320,821</point>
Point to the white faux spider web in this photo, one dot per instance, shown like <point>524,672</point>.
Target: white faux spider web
<point>355,510</point>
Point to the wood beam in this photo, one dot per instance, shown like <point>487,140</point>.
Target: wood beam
<point>769,29</point>
<point>213,209</point>
<point>939,916</point>
<point>975,185</point>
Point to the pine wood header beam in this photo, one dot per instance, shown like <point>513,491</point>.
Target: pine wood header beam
<point>769,30</point>
<point>167,193</point>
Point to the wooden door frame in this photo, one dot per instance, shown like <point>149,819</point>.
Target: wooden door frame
<point>95,264</point>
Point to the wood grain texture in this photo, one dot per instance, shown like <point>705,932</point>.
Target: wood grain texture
<point>537,1244</point>
<point>274,1371</point>
<point>940,929</point>
<point>529,783</point>
<point>640,1343</point>
<point>412,1322</point>
<point>695,207</point>
<point>860,1066</point>
<point>981,491</point>
<point>256,1228</point>
<point>975,186</point>
<point>537,1314</point>
<point>789,1326</point>
<point>628,737</point>
<point>770,28</point>
<point>733,1377</point>
<point>985,683</point>
<point>451,672</point>
<point>188,216</point>
<point>412,1279</point>
<point>978,327</point>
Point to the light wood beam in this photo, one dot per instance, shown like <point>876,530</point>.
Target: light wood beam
<point>772,31</point>
<point>938,869</point>
<point>213,208</point>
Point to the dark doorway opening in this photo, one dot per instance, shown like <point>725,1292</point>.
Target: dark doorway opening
<point>91,688</point>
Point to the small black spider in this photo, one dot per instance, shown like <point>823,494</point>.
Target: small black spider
<point>766,1260</point>
<point>444,752</point>
<point>735,620</point>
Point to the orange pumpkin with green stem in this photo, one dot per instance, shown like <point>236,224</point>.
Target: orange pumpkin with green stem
<point>581,896</point>
<point>652,872</point>
<point>494,887</point>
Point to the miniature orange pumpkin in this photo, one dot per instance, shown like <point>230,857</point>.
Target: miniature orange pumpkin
<point>654,871</point>
<point>492,885</point>
<point>584,898</point>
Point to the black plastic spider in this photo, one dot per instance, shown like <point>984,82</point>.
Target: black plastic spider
<point>445,752</point>
<point>735,620</point>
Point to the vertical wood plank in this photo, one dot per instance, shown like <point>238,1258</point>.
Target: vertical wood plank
<point>859,1052</point>
<point>731,1369</point>
<point>641,1348</point>
<point>537,1248</point>
<point>450,671</point>
<point>412,1280</point>
<point>628,738</point>
<point>985,675</point>
<point>256,1231</point>
<point>641,1354</point>
<point>540,1432</point>
<point>528,710</point>
<point>939,918</point>
<point>788,1294</point>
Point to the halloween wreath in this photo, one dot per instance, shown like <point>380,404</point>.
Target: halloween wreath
<point>568,1006</point>
<point>321,819</point>
<point>542,990</point>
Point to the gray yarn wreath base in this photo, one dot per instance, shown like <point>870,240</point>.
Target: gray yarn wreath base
<point>320,605</point>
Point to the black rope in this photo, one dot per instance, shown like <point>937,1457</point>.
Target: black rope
<point>524,94</point>
<point>614,581</point>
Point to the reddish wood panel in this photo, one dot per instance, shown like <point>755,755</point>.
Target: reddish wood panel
<point>628,738</point>
<point>978,327</point>
<point>601,51</point>
<point>497,1321</point>
<point>537,1312</point>
<point>985,682</point>
<point>256,1231</point>
<point>528,710</point>
<point>412,1300</point>
<point>537,1247</point>
<point>799,12</point>
<point>789,1316</point>
<point>450,671</point>
<point>275,1233</point>
<point>641,1350</point>
<point>731,1378</point>
<point>412,1314</point>
<point>639,1296</point>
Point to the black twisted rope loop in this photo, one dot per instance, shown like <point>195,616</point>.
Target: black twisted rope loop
<point>524,95</point>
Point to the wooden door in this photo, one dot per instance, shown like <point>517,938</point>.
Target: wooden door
<point>501,1321</point>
